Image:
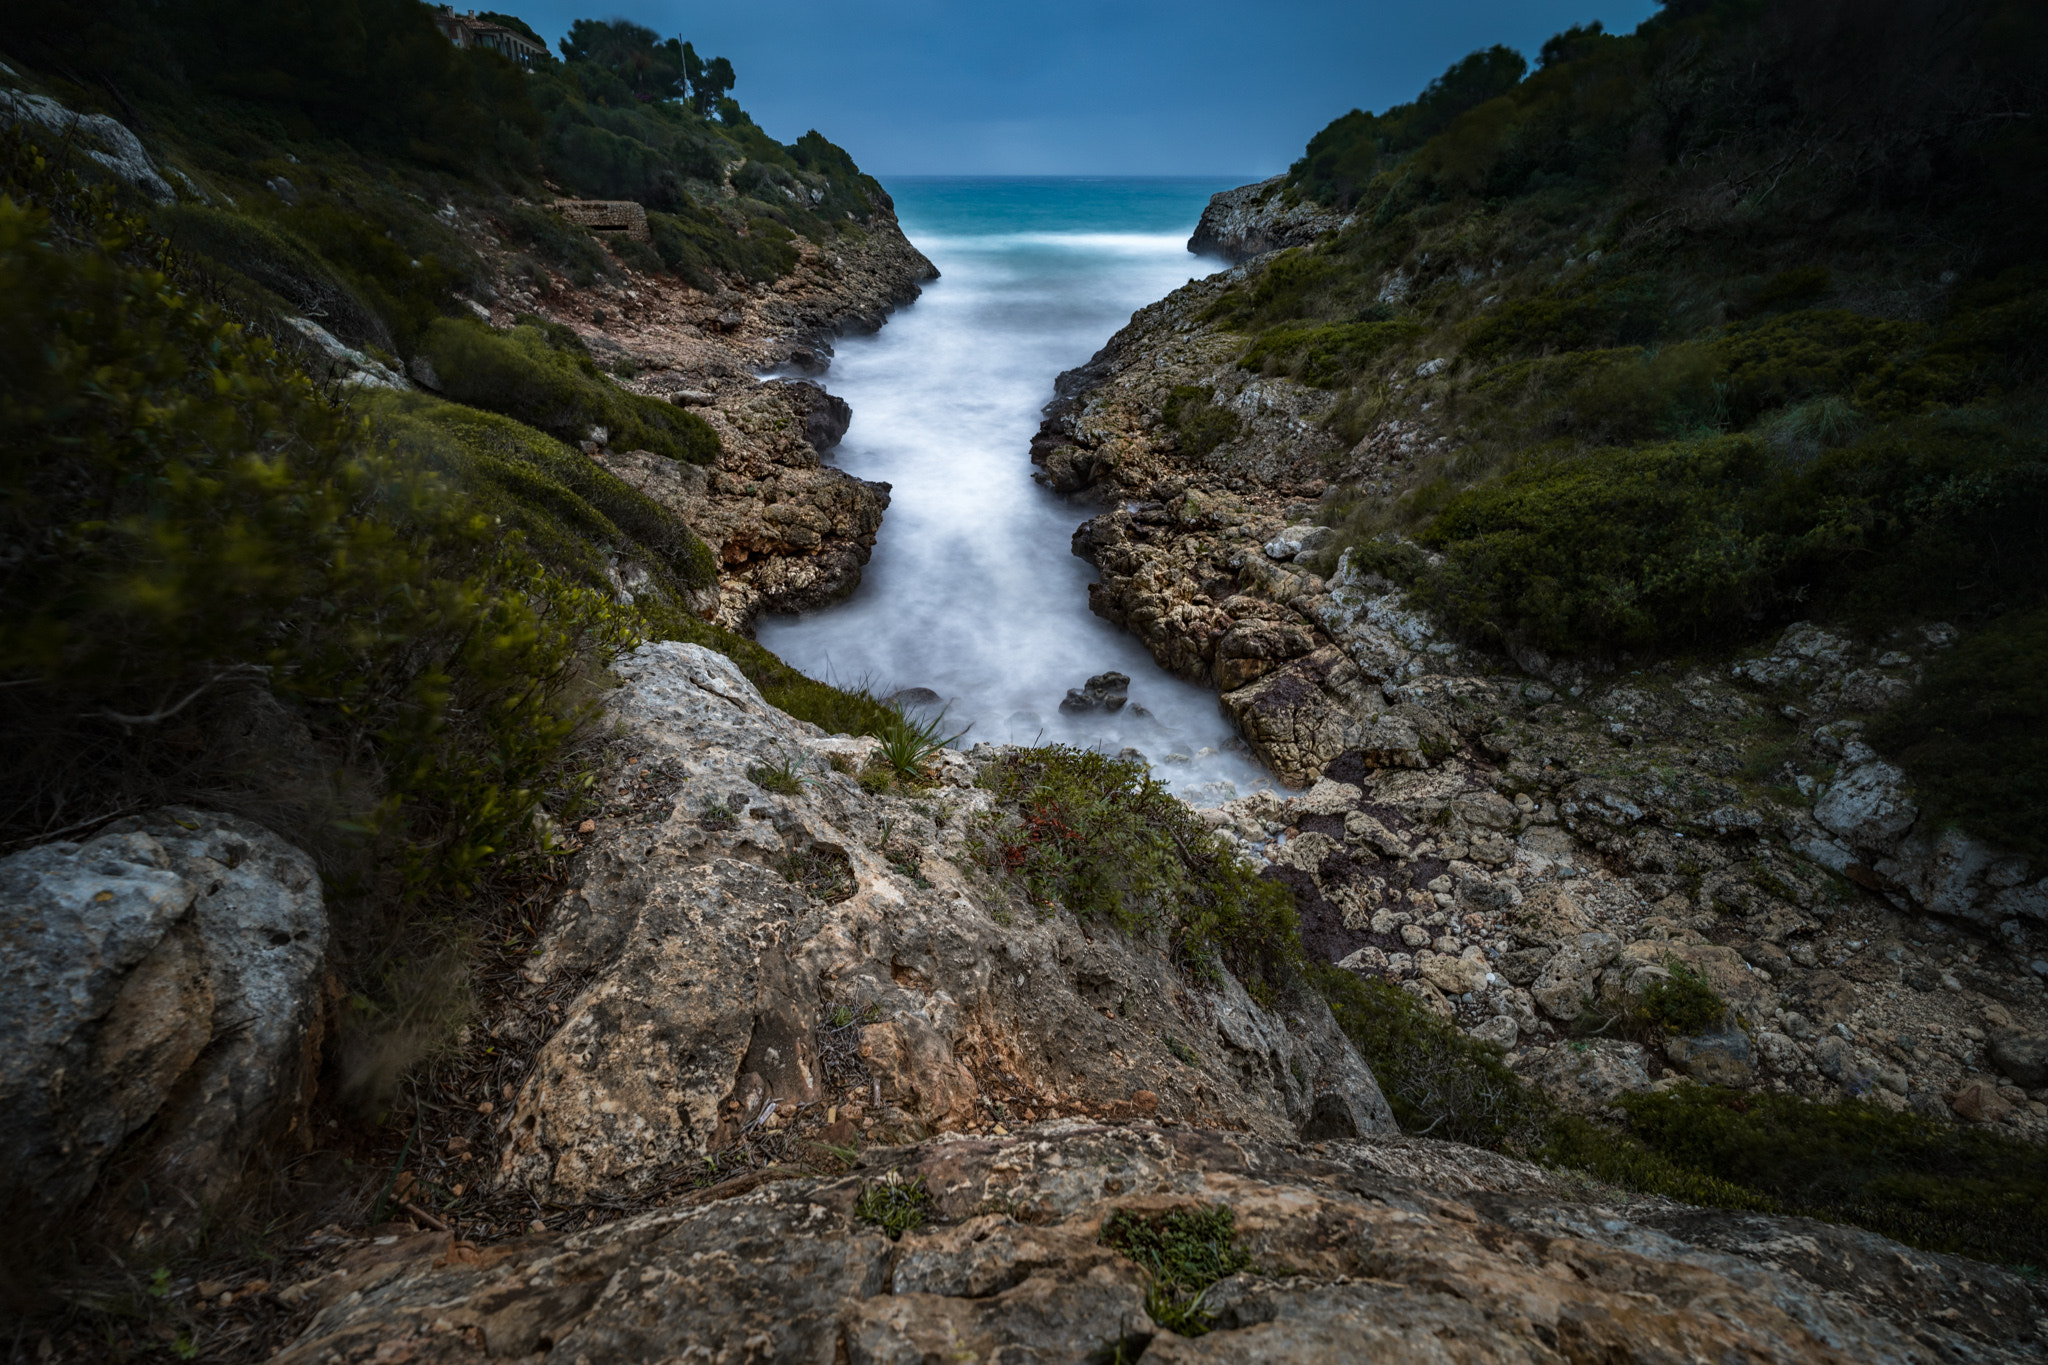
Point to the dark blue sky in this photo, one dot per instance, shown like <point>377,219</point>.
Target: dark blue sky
<point>1081,87</point>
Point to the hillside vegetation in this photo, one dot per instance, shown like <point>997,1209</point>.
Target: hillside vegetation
<point>376,621</point>
<point>1730,321</point>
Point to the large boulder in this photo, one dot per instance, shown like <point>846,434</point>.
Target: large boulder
<point>700,958</point>
<point>1870,805</point>
<point>1300,717</point>
<point>159,1001</point>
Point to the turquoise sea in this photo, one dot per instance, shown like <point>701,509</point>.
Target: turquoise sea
<point>973,591</point>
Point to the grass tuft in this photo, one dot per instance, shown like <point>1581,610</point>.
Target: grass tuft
<point>895,1205</point>
<point>1185,1251</point>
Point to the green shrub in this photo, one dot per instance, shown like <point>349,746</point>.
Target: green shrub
<point>279,264</point>
<point>1437,1079</point>
<point>541,375</point>
<point>555,239</point>
<point>1184,1251</point>
<point>202,518</point>
<point>1627,311</point>
<point>1928,1183</point>
<point>1682,1004</point>
<point>637,254</point>
<point>1198,423</point>
<point>1098,836</point>
<point>572,513</point>
<point>1330,355</point>
<point>699,245</point>
<point>1974,735</point>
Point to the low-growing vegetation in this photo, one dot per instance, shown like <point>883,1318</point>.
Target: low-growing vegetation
<point>1682,375</point>
<point>1185,1251</point>
<point>1197,421</point>
<point>1099,837</point>
<point>895,1205</point>
<point>541,373</point>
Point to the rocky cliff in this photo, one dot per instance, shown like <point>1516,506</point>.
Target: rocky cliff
<point>1389,1248</point>
<point>1252,220</point>
<point>1516,839</point>
<point>789,532</point>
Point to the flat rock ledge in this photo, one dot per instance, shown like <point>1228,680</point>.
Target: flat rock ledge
<point>1396,1249</point>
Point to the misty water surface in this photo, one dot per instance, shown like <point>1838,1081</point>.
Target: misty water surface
<point>973,591</point>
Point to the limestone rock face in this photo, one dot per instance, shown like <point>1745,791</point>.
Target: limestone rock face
<point>711,947</point>
<point>160,977</point>
<point>1387,1247</point>
<point>1251,220</point>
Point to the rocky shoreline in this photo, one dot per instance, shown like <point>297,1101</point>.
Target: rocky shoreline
<point>789,532</point>
<point>1521,842</point>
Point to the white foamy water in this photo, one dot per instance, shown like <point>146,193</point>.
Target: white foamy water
<point>973,591</point>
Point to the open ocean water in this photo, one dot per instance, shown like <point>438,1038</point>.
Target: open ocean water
<point>973,591</point>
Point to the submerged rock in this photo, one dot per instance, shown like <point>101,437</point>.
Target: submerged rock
<point>1103,692</point>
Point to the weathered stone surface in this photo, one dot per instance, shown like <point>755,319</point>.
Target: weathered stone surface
<point>1718,1058</point>
<point>1400,1248</point>
<point>1587,1075</point>
<point>1301,717</point>
<point>1254,219</point>
<point>2022,1056</point>
<point>1565,986</point>
<point>161,978</point>
<point>711,946</point>
<point>1869,805</point>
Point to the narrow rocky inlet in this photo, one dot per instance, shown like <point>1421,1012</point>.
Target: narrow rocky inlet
<point>972,605</point>
<point>620,744</point>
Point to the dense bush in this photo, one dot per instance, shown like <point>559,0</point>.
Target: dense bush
<point>1100,838</point>
<point>571,512</point>
<point>288,270</point>
<point>1198,423</point>
<point>556,240</point>
<point>695,242</point>
<point>540,374</point>
<point>1327,356</point>
<point>1927,1183</point>
<point>1975,734</point>
<point>195,518</point>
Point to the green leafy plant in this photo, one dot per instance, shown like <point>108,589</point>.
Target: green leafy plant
<point>895,1205</point>
<point>1682,1003</point>
<point>909,745</point>
<point>1099,836</point>
<point>1185,1251</point>
<point>785,777</point>
<point>540,373</point>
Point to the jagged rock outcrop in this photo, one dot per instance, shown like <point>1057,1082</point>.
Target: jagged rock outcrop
<point>708,950</point>
<point>789,532</point>
<point>1394,1248</point>
<point>1252,220</point>
<point>160,1016</point>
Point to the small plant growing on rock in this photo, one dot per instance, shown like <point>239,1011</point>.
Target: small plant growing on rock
<point>909,745</point>
<point>1684,1004</point>
<point>719,814</point>
<point>895,1205</point>
<point>1185,1251</point>
<point>786,778</point>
